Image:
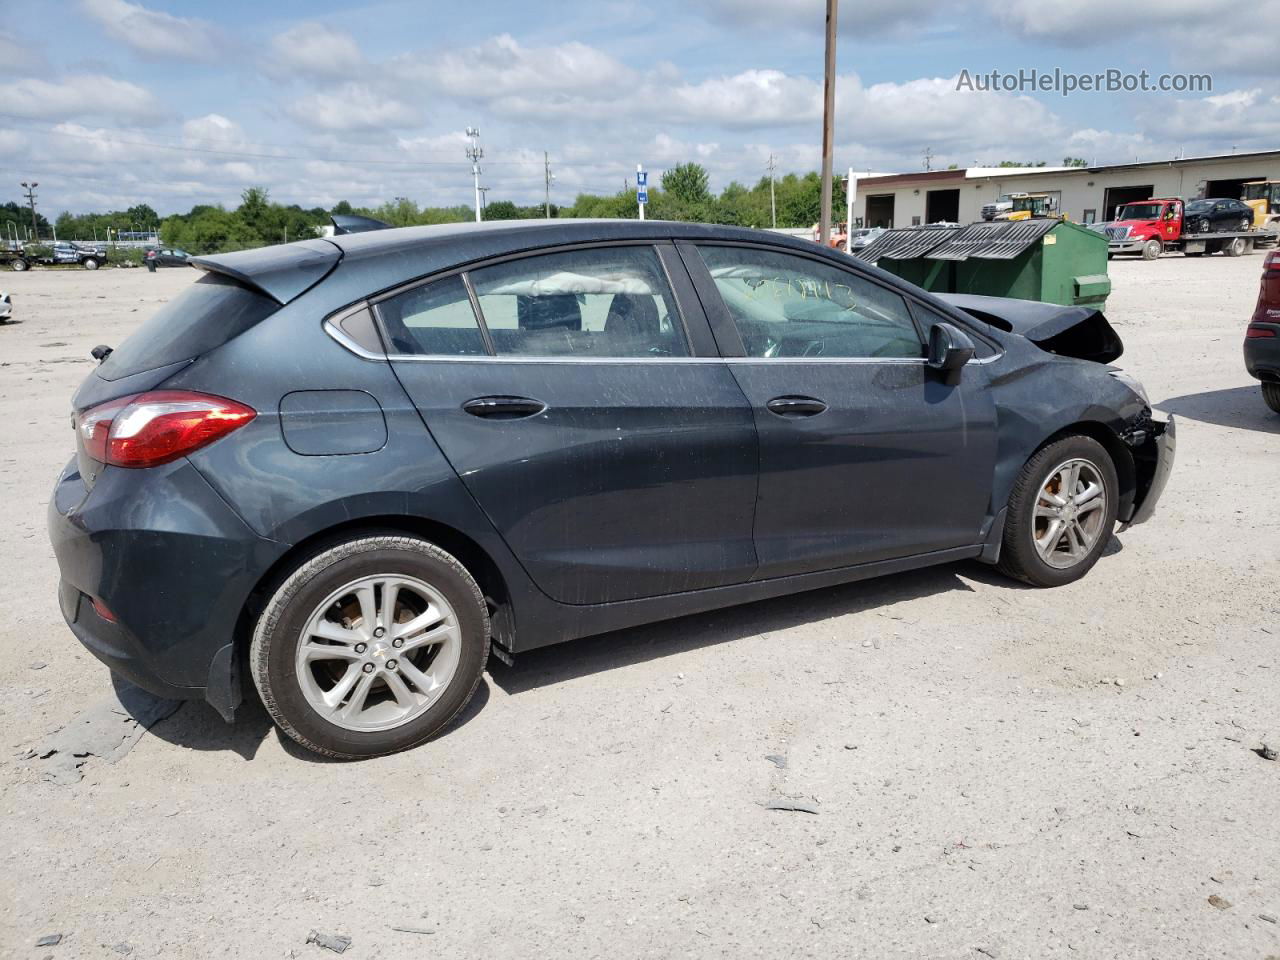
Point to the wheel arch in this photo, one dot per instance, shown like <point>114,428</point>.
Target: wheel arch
<point>1120,453</point>
<point>469,553</point>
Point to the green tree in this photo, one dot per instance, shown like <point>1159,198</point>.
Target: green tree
<point>502,210</point>
<point>687,183</point>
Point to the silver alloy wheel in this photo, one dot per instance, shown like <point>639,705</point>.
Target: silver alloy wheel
<point>378,652</point>
<point>1070,513</point>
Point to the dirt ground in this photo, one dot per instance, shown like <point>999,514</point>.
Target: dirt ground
<point>983,786</point>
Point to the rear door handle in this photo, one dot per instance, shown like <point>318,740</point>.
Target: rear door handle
<point>503,408</point>
<point>796,406</point>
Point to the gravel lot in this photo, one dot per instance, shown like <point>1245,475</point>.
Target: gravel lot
<point>984,784</point>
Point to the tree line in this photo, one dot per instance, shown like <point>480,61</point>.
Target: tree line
<point>684,194</point>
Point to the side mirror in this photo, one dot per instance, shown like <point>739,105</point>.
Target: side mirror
<point>949,350</point>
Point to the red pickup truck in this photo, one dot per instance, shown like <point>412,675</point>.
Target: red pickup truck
<point>1150,227</point>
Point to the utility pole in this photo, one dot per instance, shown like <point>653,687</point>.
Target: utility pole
<point>773,202</point>
<point>828,124</point>
<point>928,158</point>
<point>547,178</point>
<point>31,199</point>
<point>474,153</point>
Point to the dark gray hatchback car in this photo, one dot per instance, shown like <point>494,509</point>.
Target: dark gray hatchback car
<point>359,466</point>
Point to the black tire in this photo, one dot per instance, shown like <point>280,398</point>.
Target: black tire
<point>280,626</point>
<point>1019,557</point>
<point>1152,249</point>
<point>1271,394</point>
<point>1245,225</point>
<point>90,263</point>
<point>19,265</point>
<point>1236,247</point>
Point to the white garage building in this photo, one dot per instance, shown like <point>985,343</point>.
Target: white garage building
<point>1085,194</point>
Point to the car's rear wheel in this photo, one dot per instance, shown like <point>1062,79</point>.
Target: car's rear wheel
<point>1271,394</point>
<point>90,263</point>
<point>19,264</point>
<point>1236,247</point>
<point>1061,513</point>
<point>371,646</point>
<point>1152,249</point>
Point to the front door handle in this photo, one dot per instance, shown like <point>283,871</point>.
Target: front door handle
<point>796,406</point>
<point>504,408</point>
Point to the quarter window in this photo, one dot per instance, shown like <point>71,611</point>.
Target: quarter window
<point>604,302</point>
<point>433,320</point>
<point>791,307</point>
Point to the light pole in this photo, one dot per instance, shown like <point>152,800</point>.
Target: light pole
<point>547,178</point>
<point>31,199</point>
<point>474,153</point>
<point>828,123</point>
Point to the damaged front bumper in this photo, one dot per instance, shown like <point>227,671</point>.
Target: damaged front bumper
<point>1154,445</point>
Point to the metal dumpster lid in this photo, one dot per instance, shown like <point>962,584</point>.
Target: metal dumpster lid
<point>905,243</point>
<point>998,240</point>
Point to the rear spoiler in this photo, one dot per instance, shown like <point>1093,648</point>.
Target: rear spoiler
<point>282,272</point>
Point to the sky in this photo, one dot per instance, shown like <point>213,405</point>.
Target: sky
<point>108,103</point>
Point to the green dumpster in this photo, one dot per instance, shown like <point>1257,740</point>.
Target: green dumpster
<point>1053,261</point>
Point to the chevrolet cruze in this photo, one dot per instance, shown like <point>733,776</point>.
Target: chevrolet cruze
<point>353,469</point>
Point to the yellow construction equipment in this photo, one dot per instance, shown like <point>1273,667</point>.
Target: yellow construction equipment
<point>1031,206</point>
<point>1264,197</point>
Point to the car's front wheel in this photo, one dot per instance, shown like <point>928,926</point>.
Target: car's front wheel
<point>370,646</point>
<point>90,263</point>
<point>1061,513</point>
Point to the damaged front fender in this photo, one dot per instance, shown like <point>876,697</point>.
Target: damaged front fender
<point>1154,445</point>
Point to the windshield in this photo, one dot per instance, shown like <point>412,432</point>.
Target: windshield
<point>1199,206</point>
<point>1141,211</point>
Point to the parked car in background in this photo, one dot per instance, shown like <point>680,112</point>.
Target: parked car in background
<point>863,237</point>
<point>6,307</point>
<point>361,464</point>
<point>1218,215</point>
<point>1262,338</point>
<point>63,252</point>
<point>1161,224</point>
<point>166,257</point>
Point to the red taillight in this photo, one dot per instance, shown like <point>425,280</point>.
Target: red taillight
<point>1273,261</point>
<point>149,429</point>
<point>103,610</point>
<point>1255,332</point>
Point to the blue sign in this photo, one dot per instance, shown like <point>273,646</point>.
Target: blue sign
<point>642,196</point>
<point>642,178</point>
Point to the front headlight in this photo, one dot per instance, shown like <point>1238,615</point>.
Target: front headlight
<point>1133,384</point>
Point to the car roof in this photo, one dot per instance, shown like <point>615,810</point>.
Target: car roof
<point>380,259</point>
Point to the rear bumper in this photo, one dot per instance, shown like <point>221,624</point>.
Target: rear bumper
<point>1154,461</point>
<point>1262,354</point>
<point>172,563</point>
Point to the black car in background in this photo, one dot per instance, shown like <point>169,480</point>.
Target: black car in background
<point>1217,216</point>
<point>167,257</point>
<point>352,465</point>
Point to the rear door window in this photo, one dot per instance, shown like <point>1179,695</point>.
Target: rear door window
<point>212,311</point>
<point>600,302</point>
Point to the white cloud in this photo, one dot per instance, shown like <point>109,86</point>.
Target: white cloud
<point>502,67</point>
<point>353,106</point>
<point>18,58</point>
<point>154,34</point>
<point>869,18</point>
<point>316,50</point>
<point>81,95</point>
